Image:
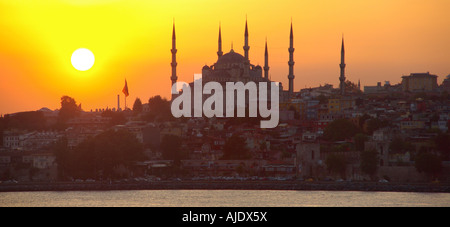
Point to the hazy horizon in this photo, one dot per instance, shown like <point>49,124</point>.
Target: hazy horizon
<point>131,40</point>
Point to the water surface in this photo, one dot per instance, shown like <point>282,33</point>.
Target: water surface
<point>222,198</point>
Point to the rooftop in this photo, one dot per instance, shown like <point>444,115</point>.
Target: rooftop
<point>427,74</point>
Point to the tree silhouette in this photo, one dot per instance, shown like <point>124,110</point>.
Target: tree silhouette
<point>235,148</point>
<point>351,87</point>
<point>428,163</point>
<point>159,109</point>
<point>137,106</point>
<point>336,163</point>
<point>442,143</point>
<point>60,150</point>
<point>360,139</point>
<point>171,148</point>
<point>156,103</point>
<point>117,118</point>
<point>400,146</point>
<point>100,156</point>
<point>339,130</point>
<point>69,109</point>
<point>369,161</point>
<point>374,124</point>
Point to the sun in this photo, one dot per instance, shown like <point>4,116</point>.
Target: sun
<point>82,59</point>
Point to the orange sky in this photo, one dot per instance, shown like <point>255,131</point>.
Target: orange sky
<point>384,39</point>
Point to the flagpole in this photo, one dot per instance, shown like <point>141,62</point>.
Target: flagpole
<point>125,92</point>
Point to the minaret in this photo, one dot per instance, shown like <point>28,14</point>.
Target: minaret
<point>174,58</point>
<point>291,63</point>
<point>342,66</point>
<point>266,63</point>
<point>246,47</point>
<point>219,52</point>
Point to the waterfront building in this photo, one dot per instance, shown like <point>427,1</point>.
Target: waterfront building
<point>309,162</point>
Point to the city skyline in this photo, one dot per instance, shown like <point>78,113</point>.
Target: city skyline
<point>383,41</point>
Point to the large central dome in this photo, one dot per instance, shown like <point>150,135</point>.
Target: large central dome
<point>231,58</point>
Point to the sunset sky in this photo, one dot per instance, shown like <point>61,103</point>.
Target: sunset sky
<point>384,39</point>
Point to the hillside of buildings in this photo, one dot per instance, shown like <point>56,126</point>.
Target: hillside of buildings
<point>386,133</point>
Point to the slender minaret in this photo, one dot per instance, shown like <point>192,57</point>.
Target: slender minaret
<point>219,52</point>
<point>246,47</point>
<point>266,63</point>
<point>342,66</point>
<point>174,58</point>
<point>291,63</point>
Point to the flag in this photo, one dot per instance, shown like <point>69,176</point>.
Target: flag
<point>125,89</point>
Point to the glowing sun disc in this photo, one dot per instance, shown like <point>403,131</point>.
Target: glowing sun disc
<point>82,59</point>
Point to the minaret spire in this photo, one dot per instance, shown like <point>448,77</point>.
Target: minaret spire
<point>246,47</point>
<point>174,77</point>
<point>266,63</point>
<point>342,66</point>
<point>219,52</point>
<point>291,62</point>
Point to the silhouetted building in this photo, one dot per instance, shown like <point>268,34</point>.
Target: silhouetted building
<point>445,86</point>
<point>382,89</point>
<point>419,82</point>
<point>234,67</point>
